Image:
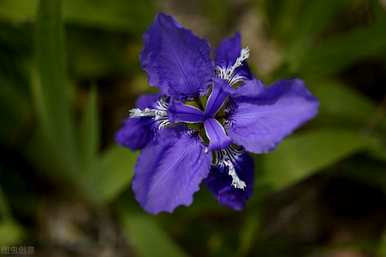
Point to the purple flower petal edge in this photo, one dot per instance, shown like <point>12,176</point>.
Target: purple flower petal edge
<point>176,61</point>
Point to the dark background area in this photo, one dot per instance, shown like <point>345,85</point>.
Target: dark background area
<point>69,73</point>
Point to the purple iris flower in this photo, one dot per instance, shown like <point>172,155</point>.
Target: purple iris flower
<point>207,116</point>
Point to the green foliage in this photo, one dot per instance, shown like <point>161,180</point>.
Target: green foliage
<point>113,14</point>
<point>52,92</point>
<point>148,238</point>
<point>101,178</point>
<point>10,233</point>
<point>355,45</point>
<point>302,155</point>
<point>108,175</point>
<point>89,131</point>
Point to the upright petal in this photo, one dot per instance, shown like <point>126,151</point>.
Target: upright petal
<point>228,52</point>
<point>259,124</point>
<point>137,132</point>
<point>217,97</point>
<point>170,170</point>
<point>219,183</point>
<point>215,132</point>
<point>176,61</point>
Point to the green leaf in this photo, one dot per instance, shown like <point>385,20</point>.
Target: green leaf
<point>300,156</point>
<point>131,16</point>
<point>286,15</point>
<point>10,233</point>
<point>338,100</point>
<point>248,234</point>
<point>109,175</point>
<point>50,90</point>
<point>89,131</point>
<point>121,15</point>
<point>14,111</point>
<point>315,17</point>
<point>90,50</point>
<point>339,52</point>
<point>147,238</point>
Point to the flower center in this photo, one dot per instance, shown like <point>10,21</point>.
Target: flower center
<point>215,133</point>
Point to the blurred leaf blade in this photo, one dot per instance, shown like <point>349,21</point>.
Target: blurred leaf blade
<point>344,49</point>
<point>119,15</point>
<point>300,156</point>
<point>10,233</point>
<point>89,130</point>
<point>339,100</point>
<point>109,175</point>
<point>313,20</point>
<point>249,232</point>
<point>14,111</point>
<point>50,90</point>
<point>148,239</point>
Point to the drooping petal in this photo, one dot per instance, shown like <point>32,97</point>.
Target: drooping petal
<point>135,133</point>
<point>217,97</point>
<point>228,52</point>
<point>219,183</point>
<point>176,61</point>
<point>260,124</point>
<point>169,171</point>
<point>216,134</point>
<point>179,112</point>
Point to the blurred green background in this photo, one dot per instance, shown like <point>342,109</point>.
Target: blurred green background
<point>69,73</point>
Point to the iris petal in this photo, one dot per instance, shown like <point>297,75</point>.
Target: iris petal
<point>176,61</point>
<point>227,54</point>
<point>260,123</point>
<point>215,132</point>
<point>179,112</point>
<point>250,89</point>
<point>135,133</point>
<point>217,97</point>
<point>228,51</point>
<point>170,170</point>
<point>146,101</point>
<point>219,183</point>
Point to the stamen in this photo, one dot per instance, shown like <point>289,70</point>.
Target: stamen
<point>236,181</point>
<point>159,113</point>
<point>228,157</point>
<point>228,73</point>
<point>147,112</point>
